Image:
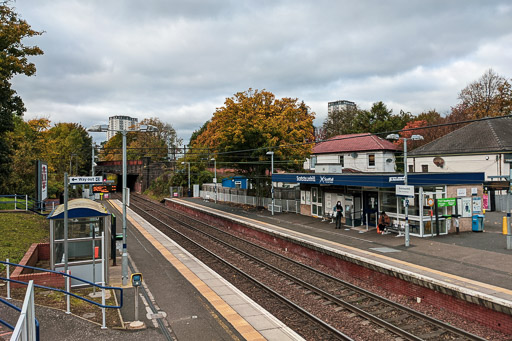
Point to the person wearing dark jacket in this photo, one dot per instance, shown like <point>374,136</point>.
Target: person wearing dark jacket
<point>339,214</point>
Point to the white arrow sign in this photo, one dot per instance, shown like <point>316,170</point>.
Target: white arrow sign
<point>81,180</point>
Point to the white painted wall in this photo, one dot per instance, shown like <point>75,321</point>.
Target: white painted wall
<point>359,163</point>
<point>491,164</point>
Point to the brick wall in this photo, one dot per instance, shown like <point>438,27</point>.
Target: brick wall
<point>391,281</point>
<point>34,253</point>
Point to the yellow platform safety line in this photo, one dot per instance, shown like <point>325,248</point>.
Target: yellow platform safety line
<point>469,282</point>
<point>239,323</point>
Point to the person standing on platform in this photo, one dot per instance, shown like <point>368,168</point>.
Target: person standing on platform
<point>339,214</point>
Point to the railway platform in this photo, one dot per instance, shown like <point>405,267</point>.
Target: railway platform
<point>183,297</point>
<point>472,267</point>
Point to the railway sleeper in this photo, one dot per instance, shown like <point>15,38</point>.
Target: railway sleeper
<point>434,335</point>
<point>413,325</point>
<point>348,293</point>
<point>369,305</point>
<point>357,299</point>
<point>398,318</point>
<point>383,311</point>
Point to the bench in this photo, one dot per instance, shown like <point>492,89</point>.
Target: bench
<point>400,228</point>
<point>329,216</point>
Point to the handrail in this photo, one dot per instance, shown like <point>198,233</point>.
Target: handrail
<point>18,310</point>
<point>66,292</point>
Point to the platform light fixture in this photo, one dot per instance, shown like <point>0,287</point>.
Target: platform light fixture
<point>215,176</point>
<point>271,153</point>
<point>188,189</point>
<point>98,128</point>
<point>414,138</point>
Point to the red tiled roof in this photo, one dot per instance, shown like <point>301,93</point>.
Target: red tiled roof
<point>353,143</point>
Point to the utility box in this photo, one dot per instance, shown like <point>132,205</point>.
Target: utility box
<point>478,223</point>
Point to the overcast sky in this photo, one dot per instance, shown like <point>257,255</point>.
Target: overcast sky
<point>179,60</point>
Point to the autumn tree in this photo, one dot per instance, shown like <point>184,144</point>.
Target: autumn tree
<point>253,122</point>
<point>141,144</point>
<point>489,96</point>
<point>13,61</point>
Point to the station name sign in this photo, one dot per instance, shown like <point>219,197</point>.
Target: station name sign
<point>404,191</point>
<point>305,178</point>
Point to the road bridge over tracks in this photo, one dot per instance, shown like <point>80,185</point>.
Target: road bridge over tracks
<point>140,173</point>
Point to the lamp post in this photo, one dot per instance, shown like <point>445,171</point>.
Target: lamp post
<point>414,138</point>
<point>272,173</point>
<point>188,191</point>
<point>215,177</point>
<point>93,165</point>
<point>104,128</point>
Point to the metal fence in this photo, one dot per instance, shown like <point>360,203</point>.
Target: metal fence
<point>281,205</point>
<point>501,203</point>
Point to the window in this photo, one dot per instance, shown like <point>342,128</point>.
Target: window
<point>313,162</point>
<point>411,168</point>
<point>371,160</point>
<point>424,168</point>
<point>342,160</point>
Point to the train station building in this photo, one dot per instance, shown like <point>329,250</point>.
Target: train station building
<point>364,196</point>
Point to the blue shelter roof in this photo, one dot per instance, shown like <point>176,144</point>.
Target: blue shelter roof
<point>80,208</point>
<point>381,180</point>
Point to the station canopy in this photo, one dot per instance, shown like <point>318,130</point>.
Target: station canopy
<point>79,208</point>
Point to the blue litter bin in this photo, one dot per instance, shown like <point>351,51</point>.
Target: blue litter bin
<point>478,223</point>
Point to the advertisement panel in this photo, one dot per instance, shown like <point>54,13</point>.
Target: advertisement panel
<point>42,180</point>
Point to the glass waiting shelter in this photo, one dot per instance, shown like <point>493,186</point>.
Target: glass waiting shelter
<point>87,220</point>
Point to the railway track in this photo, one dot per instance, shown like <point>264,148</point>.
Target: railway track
<point>332,300</point>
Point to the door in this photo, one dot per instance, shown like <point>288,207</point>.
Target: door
<point>316,202</point>
<point>370,208</point>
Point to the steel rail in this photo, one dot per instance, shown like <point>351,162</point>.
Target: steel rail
<point>435,322</point>
<point>308,315</point>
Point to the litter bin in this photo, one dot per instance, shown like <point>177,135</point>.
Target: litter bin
<point>478,223</point>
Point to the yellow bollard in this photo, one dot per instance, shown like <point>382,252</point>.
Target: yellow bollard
<point>504,225</point>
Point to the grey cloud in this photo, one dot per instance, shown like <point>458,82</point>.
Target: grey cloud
<point>186,56</point>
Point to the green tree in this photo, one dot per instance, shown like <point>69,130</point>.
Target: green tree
<point>27,141</point>
<point>341,122</point>
<point>68,148</point>
<point>354,120</point>
<point>13,61</point>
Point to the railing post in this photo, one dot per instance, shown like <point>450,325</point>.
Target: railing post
<point>103,255</point>
<point>26,202</point>
<point>15,202</point>
<point>68,289</point>
<point>366,221</point>
<point>8,281</point>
